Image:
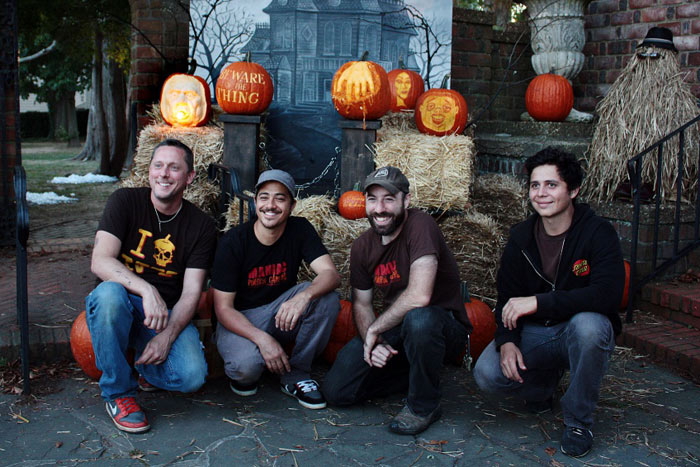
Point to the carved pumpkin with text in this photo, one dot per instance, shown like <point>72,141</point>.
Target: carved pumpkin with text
<point>185,100</point>
<point>351,205</point>
<point>549,98</point>
<point>360,90</point>
<point>244,88</point>
<point>406,86</point>
<point>343,331</point>
<point>441,111</point>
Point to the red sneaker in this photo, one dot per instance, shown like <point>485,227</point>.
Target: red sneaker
<point>145,386</point>
<point>127,415</point>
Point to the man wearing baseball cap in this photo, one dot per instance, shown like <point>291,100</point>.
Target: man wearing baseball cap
<point>423,322</point>
<point>259,305</point>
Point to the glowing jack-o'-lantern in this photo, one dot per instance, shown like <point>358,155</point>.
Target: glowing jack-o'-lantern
<point>185,100</point>
<point>360,90</point>
<point>406,86</point>
<point>244,88</point>
<point>441,111</point>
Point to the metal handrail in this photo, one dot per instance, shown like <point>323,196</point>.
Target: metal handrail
<point>21,237</point>
<point>634,168</point>
<point>231,189</point>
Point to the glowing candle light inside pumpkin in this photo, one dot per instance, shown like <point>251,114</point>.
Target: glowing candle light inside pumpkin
<point>185,100</point>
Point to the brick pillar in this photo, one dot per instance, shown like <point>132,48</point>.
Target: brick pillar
<point>162,52</point>
<point>9,119</point>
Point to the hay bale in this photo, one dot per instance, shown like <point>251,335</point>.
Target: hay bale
<point>317,209</point>
<point>647,101</point>
<point>402,122</point>
<point>232,214</point>
<point>438,168</point>
<point>502,197</point>
<point>207,144</point>
<point>476,241</point>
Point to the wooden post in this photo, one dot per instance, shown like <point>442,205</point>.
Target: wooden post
<point>240,147</point>
<point>357,159</point>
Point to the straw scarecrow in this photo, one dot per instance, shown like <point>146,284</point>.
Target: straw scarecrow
<point>647,101</point>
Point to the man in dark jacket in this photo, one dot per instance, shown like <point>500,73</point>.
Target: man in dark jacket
<point>559,288</point>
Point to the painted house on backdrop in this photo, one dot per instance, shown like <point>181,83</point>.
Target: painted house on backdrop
<point>306,41</point>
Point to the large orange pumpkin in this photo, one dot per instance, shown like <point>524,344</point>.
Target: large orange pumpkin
<point>205,305</point>
<point>484,322</point>
<point>549,98</point>
<point>185,100</point>
<point>244,88</point>
<point>351,205</point>
<point>441,111</point>
<point>360,90</point>
<point>405,86</point>
<point>625,294</point>
<point>343,331</point>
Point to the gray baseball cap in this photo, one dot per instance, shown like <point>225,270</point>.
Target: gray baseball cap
<point>390,178</point>
<point>276,175</point>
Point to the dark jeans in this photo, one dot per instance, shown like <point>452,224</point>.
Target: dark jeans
<point>583,345</point>
<point>426,337</point>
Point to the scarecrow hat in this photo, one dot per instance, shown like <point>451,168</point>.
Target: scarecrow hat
<point>659,37</point>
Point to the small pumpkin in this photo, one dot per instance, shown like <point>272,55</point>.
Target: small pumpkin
<point>185,100</point>
<point>625,293</point>
<point>441,111</point>
<point>549,98</point>
<point>484,322</point>
<point>405,86</point>
<point>360,90</point>
<point>81,347</point>
<point>351,205</point>
<point>244,88</point>
<point>343,332</point>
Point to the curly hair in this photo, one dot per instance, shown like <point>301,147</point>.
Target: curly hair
<point>566,163</point>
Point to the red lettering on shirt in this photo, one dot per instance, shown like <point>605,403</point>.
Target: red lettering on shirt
<point>581,268</point>
<point>268,275</point>
<point>385,274</point>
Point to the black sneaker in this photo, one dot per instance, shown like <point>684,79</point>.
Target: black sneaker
<point>409,423</point>
<point>307,393</point>
<point>539,407</point>
<point>243,390</point>
<point>576,442</point>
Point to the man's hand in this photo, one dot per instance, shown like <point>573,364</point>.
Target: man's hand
<point>381,354</point>
<point>155,310</point>
<point>511,360</point>
<point>156,350</point>
<point>517,307</point>
<point>290,311</point>
<point>275,357</point>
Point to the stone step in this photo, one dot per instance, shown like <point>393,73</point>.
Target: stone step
<point>673,300</point>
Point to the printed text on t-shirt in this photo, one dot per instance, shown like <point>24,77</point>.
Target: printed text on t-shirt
<point>385,274</point>
<point>271,274</point>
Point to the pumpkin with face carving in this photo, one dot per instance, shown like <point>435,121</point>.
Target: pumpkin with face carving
<point>185,100</point>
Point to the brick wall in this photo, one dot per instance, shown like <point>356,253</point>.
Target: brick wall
<point>484,59</point>
<point>162,52</point>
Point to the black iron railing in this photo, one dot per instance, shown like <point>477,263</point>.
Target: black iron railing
<point>634,167</point>
<point>21,237</point>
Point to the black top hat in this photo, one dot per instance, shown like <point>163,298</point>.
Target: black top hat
<point>659,37</point>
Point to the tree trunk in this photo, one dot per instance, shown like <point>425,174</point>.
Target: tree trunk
<point>65,119</point>
<point>101,130</point>
<point>90,147</point>
<point>114,92</point>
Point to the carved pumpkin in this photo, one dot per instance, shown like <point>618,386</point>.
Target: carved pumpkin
<point>484,322</point>
<point>549,98</point>
<point>441,111</point>
<point>185,100</point>
<point>81,347</point>
<point>343,331</point>
<point>244,88</point>
<point>405,86</point>
<point>360,90</point>
<point>351,205</point>
<point>625,293</point>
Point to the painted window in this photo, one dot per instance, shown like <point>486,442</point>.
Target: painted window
<point>328,38</point>
<point>346,40</point>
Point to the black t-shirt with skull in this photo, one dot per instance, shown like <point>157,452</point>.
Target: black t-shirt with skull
<point>159,256</point>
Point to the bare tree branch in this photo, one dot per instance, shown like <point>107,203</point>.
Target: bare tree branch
<point>41,53</point>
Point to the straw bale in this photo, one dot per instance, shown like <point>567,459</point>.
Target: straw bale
<point>502,197</point>
<point>439,169</point>
<point>647,101</point>
<point>317,209</point>
<point>207,144</point>
<point>231,216</point>
<point>392,122</point>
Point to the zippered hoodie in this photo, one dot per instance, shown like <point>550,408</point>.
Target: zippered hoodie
<point>590,275</point>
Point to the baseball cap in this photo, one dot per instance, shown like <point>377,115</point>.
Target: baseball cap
<point>276,175</point>
<point>389,178</point>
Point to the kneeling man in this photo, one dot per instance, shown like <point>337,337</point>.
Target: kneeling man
<point>559,288</point>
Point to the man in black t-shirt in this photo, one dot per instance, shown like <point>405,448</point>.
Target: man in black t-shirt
<point>259,305</point>
<point>424,322</point>
<point>152,250</point>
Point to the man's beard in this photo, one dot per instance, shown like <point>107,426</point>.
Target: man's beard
<point>390,228</point>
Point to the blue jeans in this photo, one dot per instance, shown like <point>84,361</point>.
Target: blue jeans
<point>425,338</point>
<point>115,320</point>
<point>582,345</point>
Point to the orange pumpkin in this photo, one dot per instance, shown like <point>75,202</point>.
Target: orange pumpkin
<point>205,305</point>
<point>81,347</point>
<point>351,205</point>
<point>342,333</point>
<point>185,100</point>
<point>549,98</point>
<point>484,322</point>
<point>625,294</point>
<point>441,111</point>
<point>405,86</point>
<point>244,88</point>
<point>360,90</point>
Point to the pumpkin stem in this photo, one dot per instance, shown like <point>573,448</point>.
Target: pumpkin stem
<point>365,54</point>
<point>444,81</point>
<point>402,65</point>
<point>247,57</point>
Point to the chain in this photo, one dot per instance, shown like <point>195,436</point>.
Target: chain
<point>324,172</point>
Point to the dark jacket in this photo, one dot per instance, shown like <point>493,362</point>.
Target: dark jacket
<point>590,276</point>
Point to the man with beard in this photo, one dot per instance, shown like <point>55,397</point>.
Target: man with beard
<point>259,305</point>
<point>424,323</point>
